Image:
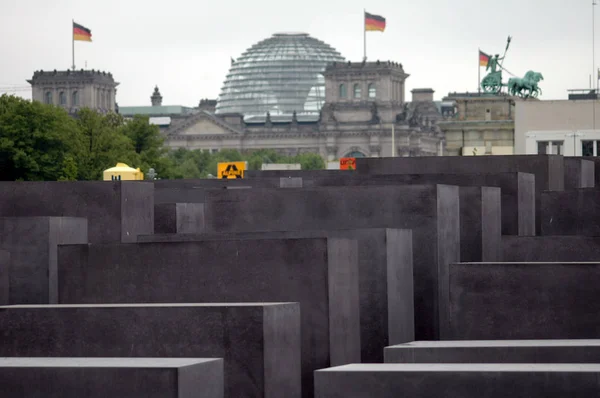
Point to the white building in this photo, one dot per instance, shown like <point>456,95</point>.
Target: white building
<point>563,127</point>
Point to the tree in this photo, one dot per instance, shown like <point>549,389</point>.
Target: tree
<point>102,144</point>
<point>148,144</point>
<point>37,142</point>
<point>310,161</point>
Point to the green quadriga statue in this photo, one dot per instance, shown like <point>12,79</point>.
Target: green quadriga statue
<point>524,87</point>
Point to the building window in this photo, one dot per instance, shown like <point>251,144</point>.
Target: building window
<point>356,91</point>
<point>550,147</point>
<point>62,98</point>
<point>75,99</point>
<point>589,148</point>
<point>48,98</point>
<point>372,90</point>
<point>343,91</point>
<point>101,103</point>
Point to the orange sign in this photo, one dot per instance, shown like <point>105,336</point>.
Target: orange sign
<point>348,164</point>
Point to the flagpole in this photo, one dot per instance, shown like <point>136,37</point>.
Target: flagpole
<point>478,71</point>
<point>73,41</point>
<point>365,33</point>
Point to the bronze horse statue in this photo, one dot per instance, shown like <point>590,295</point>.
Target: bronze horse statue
<point>527,86</point>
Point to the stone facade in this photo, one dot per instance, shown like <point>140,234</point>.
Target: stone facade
<point>479,124</point>
<point>364,103</point>
<point>77,89</point>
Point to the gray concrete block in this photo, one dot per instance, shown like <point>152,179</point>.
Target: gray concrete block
<point>571,212</point>
<point>305,174</point>
<point>116,211</point>
<point>4,277</point>
<point>495,351</point>
<point>579,173</point>
<point>194,190</point>
<point>500,301</point>
<point>480,224</point>
<point>32,243</point>
<point>321,274</point>
<point>178,218</point>
<point>385,277</point>
<point>458,381</point>
<point>548,169</point>
<point>289,182</point>
<point>111,377</point>
<point>259,342</point>
<point>517,191</point>
<point>431,211</point>
<point>550,248</point>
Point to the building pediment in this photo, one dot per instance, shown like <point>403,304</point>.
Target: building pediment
<point>203,124</point>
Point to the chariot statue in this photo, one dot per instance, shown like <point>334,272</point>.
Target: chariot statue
<point>524,87</point>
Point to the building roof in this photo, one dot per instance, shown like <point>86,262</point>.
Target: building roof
<point>155,110</point>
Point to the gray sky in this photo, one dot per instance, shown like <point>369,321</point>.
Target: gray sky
<point>184,46</point>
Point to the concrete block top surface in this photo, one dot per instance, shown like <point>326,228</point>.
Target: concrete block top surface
<point>465,367</point>
<point>162,305</point>
<point>497,343</point>
<point>66,362</point>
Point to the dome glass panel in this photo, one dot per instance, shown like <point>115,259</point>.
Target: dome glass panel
<point>280,75</point>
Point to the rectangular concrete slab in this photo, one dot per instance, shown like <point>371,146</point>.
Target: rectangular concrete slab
<point>319,273</point>
<point>498,301</point>
<point>548,169</point>
<point>517,190</point>
<point>194,190</point>
<point>579,173</point>
<point>116,211</point>
<point>458,381</point>
<point>33,243</point>
<point>480,224</point>
<point>431,211</point>
<point>178,218</point>
<point>495,351</point>
<point>385,278</point>
<point>571,212</point>
<point>259,342</point>
<point>111,377</point>
<point>550,248</point>
<point>4,277</point>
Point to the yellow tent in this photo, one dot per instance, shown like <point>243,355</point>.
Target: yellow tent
<point>122,172</point>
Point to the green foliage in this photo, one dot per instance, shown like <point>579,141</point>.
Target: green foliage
<point>37,142</point>
<point>43,142</point>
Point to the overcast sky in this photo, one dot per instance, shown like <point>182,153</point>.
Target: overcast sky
<point>185,46</point>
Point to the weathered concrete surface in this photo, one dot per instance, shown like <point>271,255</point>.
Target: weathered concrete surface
<point>571,212</point>
<point>548,169</point>
<point>550,248</point>
<point>495,351</point>
<point>116,211</point>
<point>178,218</point>
<point>385,277</point>
<point>111,377</point>
<point>458,381</point>
<point>502,301</point>
<point>32,243</point>
<point>431,211</point>
<point>321,274</point>
<point>579,173</point>
<point>259,342</point>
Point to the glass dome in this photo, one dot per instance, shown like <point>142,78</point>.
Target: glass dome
<point>280,75</point>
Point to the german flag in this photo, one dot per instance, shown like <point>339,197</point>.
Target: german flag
<point>484,59</point>
<point>374,22</point>
<point>81,33</point>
